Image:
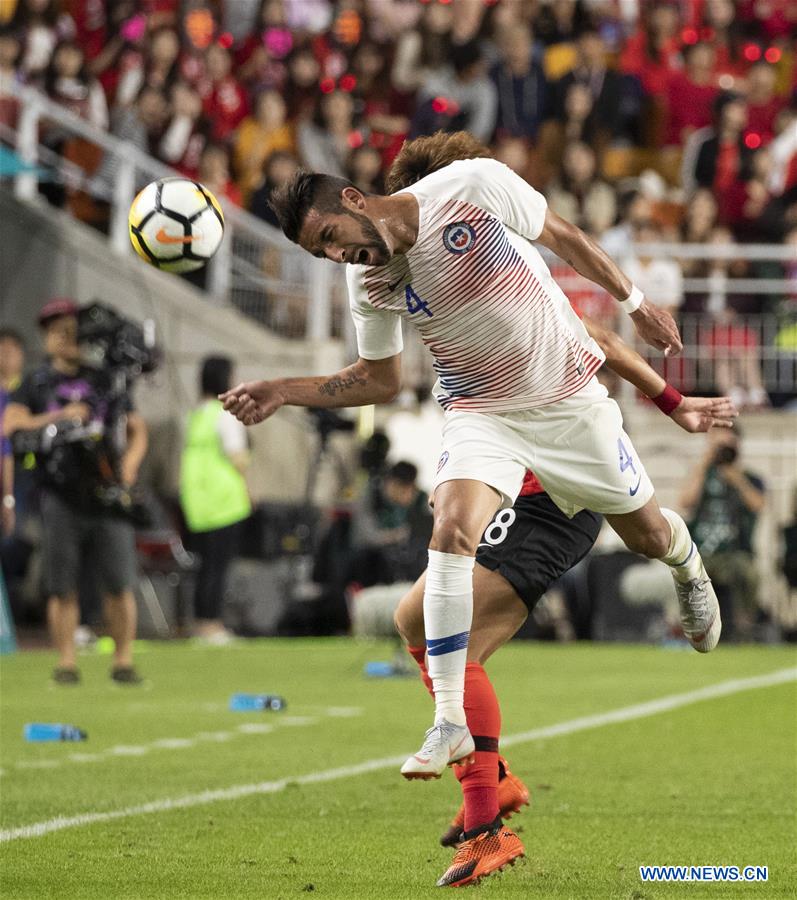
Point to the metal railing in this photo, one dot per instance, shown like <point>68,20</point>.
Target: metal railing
<point>256,268</point>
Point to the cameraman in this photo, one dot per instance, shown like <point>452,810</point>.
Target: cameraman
<point>73,518</point>
<point>724,501</point>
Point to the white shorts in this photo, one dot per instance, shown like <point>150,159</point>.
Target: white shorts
<point>577,449</point>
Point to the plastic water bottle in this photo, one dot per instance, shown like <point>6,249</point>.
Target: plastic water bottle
<point>42,731</point>
<point>379,669</point>
<point>256,702</point>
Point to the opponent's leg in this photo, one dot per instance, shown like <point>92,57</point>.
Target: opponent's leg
<point>662,534</point>
<point>498,613</point>
<point>462,509</point>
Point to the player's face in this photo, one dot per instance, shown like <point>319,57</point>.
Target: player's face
<point>346,237</point>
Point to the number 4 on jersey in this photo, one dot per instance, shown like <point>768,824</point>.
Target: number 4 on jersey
<point>626,460</point>
<point>414,302</point>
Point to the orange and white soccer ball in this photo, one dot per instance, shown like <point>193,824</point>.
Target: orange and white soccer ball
<point>176,224</point>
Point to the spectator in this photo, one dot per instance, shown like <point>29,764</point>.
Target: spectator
<point>659,279</point>
<point>652,53</point>
<point>71,478</point>
<point>185,136</point>
<point>520,86</point>
<point>725,501</point>
<point>385,111</point>
<point>763,106</point>
<point>423,52</point>
<point>720,25</point>
<point>158,67</point>
<point>214,173</point>
<point>10,76</point>
<point>604,84</point>
<point>635,209</point>
<point>12,363</point>
<point>68,82</point>
<point>364,169</point>
<point>301,89</point>
<point>278,168</point>
<point>213,494</point>
<point>720,155</point>
<point>138,126</point>
<point>225,103</point>
<point>691,93</point>
<point>390,529</point>
<point>577,125</point>
<point>465,84</point>
<point>324,142</point>
<point>41,26</point>
<point>562,21</point>
<point>579,195</point>
<point>260,135</point>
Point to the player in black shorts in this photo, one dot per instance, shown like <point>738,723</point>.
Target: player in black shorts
<point>523,551</point>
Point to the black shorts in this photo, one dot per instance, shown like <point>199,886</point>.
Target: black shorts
<point>68,534</point>
<point>534,543</point>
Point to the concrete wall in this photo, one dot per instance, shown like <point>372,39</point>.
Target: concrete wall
<point>44,253</point>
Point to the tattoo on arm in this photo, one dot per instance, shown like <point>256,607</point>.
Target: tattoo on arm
<point>338,385</point>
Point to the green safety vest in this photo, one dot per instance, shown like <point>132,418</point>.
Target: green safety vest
<point>212,491</point>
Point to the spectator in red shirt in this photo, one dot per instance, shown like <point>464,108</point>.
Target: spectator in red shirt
<point>385,111</point>
<point>763,106</point>
<point>721,26</point>
<point>690,94</point>
<point>226,103</point>
<point>652,53</point>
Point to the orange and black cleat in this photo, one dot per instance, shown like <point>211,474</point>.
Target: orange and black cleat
<point>483,851</point>
<point>513,795</point>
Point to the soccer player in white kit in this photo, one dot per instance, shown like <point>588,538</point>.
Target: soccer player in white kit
<point>454,254</point>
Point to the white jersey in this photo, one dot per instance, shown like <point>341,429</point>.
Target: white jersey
<point>502,333</point>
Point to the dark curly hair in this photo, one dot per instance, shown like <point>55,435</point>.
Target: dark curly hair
<point>424,155</point>
<point>306,191</point>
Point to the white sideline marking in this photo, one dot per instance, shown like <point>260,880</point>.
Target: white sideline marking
<point>584,723</point>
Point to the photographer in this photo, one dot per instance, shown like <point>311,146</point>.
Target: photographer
<point>66,393</point>
<point>724,501</point>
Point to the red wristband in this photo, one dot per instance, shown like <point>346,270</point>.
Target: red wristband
<point>667,400</point>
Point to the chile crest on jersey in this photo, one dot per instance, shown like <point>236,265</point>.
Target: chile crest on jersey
<point>459,237</point>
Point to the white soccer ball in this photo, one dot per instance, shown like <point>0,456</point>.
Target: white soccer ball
<point>176,224</point>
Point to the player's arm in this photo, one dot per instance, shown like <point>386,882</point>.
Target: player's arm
<point>366,382</point>
<point>693,414</point>
<point>654,325</point>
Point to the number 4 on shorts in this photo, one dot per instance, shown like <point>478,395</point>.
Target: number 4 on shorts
<point>626,460</point>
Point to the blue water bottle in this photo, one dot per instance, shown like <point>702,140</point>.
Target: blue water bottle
<point>44,731</point>
<point>256,702</point>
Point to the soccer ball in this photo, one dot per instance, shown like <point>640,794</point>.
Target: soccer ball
<point>176,224</point>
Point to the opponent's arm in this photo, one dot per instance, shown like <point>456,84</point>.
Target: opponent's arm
<point>367,381</point>
<point>655,326</point>
<point>693,414</point>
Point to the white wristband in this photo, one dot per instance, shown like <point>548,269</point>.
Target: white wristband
<point>633,301</point>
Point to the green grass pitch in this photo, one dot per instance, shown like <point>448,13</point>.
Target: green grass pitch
<point>711,783</point>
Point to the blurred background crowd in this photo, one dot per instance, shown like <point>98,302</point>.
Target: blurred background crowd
<point>648,124</point>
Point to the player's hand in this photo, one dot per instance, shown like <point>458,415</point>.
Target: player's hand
<point>657,328</point>
<point>80,411</point>
<point>698,414</point>
<point>253,401</point>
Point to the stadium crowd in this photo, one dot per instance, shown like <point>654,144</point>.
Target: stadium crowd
<point>642,122</point>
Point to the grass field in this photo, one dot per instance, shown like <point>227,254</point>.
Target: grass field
<point>712,782</point>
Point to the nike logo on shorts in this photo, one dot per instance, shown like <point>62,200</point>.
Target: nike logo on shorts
<point>632,491</point>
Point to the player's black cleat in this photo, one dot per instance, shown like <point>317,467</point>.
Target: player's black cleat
<point>126,675</point>
<point>66,675</point>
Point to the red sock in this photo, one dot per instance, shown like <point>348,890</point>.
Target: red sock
<point>419,655</point>
<point>479,780</point>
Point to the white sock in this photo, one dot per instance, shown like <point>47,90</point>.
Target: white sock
<point>447,615</point>
<point>682,556</point>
